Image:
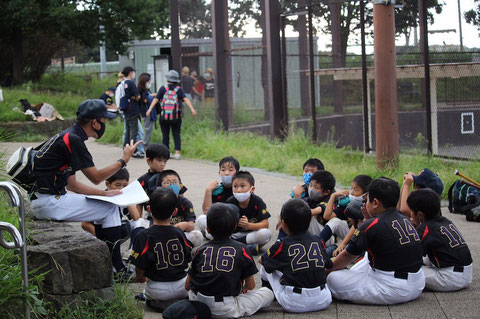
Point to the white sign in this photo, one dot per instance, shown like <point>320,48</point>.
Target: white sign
<point>468,126</point>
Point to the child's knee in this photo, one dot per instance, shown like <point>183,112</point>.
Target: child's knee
<point>263,236</point>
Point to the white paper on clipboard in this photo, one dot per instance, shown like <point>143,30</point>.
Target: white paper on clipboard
<point>131,195</point>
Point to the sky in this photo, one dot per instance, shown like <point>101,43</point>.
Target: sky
<point>448,19</point>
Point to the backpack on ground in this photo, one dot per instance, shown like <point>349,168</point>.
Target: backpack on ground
<point>464,198</point>
<point>120,98</point>
<point>20,167</point>
<point>170,107</point>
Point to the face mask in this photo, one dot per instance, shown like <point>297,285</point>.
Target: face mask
<point>110,95</point>
<point>101,130</point>
<point>174,188</point>
<point>306,178</point>
<point>227,180</point>
<point>314,195</point>
<point>355,197</point>
<point>149,85</point>
<point>242,197</point>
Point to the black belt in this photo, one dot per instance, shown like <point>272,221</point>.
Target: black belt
<point>298,290</point>
<point>217,298</point>
<point>458,268</point>
<point>401,275</point>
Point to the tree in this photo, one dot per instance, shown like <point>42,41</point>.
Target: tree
<point>473,16</point>
<point>78,21</point>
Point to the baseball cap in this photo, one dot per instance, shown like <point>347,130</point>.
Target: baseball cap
<point>93,109</point>
<point>354,209</point>
<point>111,89</point>
<point>185,309</point>
<point>428,179</point>
<point>172,76</point>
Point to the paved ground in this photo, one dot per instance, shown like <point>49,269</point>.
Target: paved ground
<point>274,189</point>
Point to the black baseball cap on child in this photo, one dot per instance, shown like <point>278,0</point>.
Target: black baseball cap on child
<point>428,179</point>
<point>93,109</point>
<point>185,309</point>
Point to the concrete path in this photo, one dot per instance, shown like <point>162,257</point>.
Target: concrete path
<point>274,189</point>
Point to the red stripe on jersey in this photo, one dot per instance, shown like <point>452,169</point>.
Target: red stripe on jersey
<point>438,262</point>
<point>323,244</point>
<point>64,167</point>
<point>66,140</point>
<point>144,249</point>
<point>246,255</point>
<point>186,243</point>
<point>372,224</point>
<point>142,183</point>
<point>425,232</point>
<point>278,250</point>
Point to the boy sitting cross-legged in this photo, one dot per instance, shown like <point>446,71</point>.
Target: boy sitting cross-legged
<point>222,268</point>
<point>184,216</point>
<point>295,265</point>
<point>447,259</point>
<point>252,226</point>
<point>161,253</point>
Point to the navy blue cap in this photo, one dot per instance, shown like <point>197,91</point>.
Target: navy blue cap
<point>111,89</point>
<point>185,309</point>
<point>354,209</point>
<point>94,109</point>
<point>428,179</point>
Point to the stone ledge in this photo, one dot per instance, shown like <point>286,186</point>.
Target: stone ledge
<point>43,128</point>
<point>74,262</point>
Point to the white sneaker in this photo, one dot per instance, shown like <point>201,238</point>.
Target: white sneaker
<point>176,156</point>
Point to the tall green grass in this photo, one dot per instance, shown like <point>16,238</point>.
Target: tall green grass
<point>65,91</point>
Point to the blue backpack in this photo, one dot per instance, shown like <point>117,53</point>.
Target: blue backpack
<point>463,197</point>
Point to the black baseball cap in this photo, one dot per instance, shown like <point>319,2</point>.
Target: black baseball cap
<point>354,209</point>
<point>185,309</point>
<point>111,89</point>
<point>428,179</point>
<point>94,109</point>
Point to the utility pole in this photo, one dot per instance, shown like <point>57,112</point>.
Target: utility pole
<point>386,109</point>
<point>176,48</point>
<point>460,25</point>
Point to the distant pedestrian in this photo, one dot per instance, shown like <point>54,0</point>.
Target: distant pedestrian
<point>209,81</point>
<point>187,82</point>
<point>144,84</point>
<point>171,95</point>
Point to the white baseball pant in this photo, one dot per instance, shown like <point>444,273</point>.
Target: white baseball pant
<point>315,228</point>
<point>339,227</point>
<point>168,290</point>
<point>202,225</point>
<point>235,307</point>
<point>75,208</point>
<point>448,278</point>
<point>365,285</point>
<point>195,237</point>
<point>310,299</point>
<point>260,237</point>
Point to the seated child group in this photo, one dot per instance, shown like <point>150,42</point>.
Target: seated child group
<point>395,237</point>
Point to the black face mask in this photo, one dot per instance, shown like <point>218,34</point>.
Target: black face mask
<point>101,130</point>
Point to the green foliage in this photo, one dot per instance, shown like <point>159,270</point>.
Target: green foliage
<point>65,91</point>
<point>123,306</point>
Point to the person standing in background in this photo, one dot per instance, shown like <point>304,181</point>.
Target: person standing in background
<point>146,97</point>
<point>209,81</point>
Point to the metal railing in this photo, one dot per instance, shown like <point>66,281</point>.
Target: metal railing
<point>19,237</point>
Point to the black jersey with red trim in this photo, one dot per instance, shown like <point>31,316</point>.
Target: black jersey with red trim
<point>222,198</point>
<point>219,268</point>
<point>256,210</point>
<point>392,242</point>
<point>184,212</point>
<point>163,252</point>
<point>301,258</point>
<point>143,180</point>
<point>59,158</point>
<point>443,243</point>
<point>319,203</point>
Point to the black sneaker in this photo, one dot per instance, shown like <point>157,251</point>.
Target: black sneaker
<point>154,305</point>
<point>138,155</point>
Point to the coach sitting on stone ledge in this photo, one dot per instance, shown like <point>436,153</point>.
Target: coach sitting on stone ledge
<point>56,163</point>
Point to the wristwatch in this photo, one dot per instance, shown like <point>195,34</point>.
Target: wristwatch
<point>122,162</point>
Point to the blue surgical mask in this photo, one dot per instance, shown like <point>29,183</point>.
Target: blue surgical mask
<point>227,180</point>
<point>174,188</point>
<point>306,178</point>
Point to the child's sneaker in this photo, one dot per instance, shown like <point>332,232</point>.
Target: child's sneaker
<point>176,156</point>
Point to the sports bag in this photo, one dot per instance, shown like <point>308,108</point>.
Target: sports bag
<point>169,107</point>
<point>120,98</point>
<point>463,197</point>
<point>20,167</point>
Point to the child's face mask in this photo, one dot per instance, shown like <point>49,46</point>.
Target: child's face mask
<point>175,188</point>
<point>306,178</point>
<point>314,195</point>
<point>226,180</point>
<point>242,197</point>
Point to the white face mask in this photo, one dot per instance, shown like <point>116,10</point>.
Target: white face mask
<point>149,85</point>
<point>242,197</point>
<point>355,197</point>
<point>110,95</point>
<point>226,180</point>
